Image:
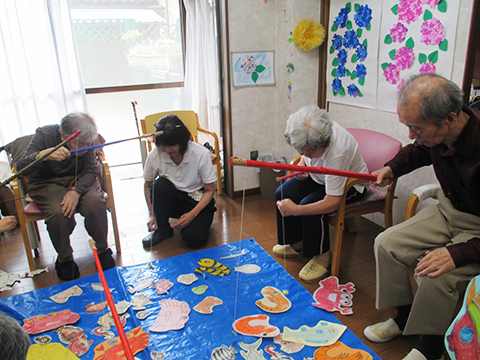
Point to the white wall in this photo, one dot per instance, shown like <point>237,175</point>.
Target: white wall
<point>259,114</point>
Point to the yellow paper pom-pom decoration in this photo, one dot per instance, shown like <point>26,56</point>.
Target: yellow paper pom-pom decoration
<point>308,35</point>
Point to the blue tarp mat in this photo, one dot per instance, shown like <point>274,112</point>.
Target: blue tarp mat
<point>202,333</point>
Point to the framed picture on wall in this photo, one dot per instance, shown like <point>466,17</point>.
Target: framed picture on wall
<point>253,68</point>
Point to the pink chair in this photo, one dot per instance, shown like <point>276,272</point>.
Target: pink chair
<point>376,149</point>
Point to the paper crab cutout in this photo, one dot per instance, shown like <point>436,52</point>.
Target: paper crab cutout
<point>255,325</point>
<point>323,334</point>
<point>274,301</point>
<point>41,323</point>
<point>172,316</point>
<point>331,296</point>
<point>112,349</point>
<point>340,351</point>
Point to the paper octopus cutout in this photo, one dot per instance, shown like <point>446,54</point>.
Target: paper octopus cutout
<point>331,296</point>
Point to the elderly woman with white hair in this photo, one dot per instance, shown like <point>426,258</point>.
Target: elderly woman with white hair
<point>304,202</point>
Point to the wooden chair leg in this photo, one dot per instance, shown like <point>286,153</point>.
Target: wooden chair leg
<point>337,248</point>
<point>219,179</point>
<point>116,233</point>
<point>26,243</point>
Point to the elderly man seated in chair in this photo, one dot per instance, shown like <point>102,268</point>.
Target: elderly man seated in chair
<point>62,184</point>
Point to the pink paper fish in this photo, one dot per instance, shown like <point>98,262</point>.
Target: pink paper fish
<point>162,286</point>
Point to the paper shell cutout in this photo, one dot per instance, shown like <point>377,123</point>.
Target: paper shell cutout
<point>248,269</point>
<point>331,296</point>
<point>112,349</point>
<point>212,267</point>
<point>142,284</point>
<point>323,334</point>
<point>50,351</point>
<point>206,305</point>
<point>270,349</point>
<point>274,301</point>
<point>41,323</point>
<point>63,296</point>
<point>255,325</point>
<point>187,279</point>
<point>340,350</point>
<point>172,316</point>
<point>162,286</point>
<point>289,347</point>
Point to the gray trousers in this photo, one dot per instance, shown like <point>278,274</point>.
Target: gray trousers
<point>92,206</point>
<point>433,305</point>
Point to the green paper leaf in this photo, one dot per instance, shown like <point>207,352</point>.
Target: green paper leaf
<point>392,53</point>
<point>354,58</point>
<point>433,57</point>
<point>359,32</point>
<point>254,76</point>
<point>348,6</point>
<point>260,68</point>
<point>348,72</point>
<point>353,76</point>
<point>369,27</point>
<point>443,45</point>
<point>442,6</point>
<point>335,93</point>
<point>342,91</point>
<point>356,7</point>
<point>361,81</point>
<point>395,10</point>
<point>349,25</point>
<point>332,50</point>
<point>422,58</point>
<point>335,62</point>
<point>360,94</point>
<point>427,15</point>
<point>365,43</point>
<point>334,72</point>
<point>334,27</point>
<point>384,66</point>
<point>410,43</point>
<point>388,39</point>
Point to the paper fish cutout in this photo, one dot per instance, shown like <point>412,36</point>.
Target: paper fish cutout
<point>187,279</point>
<point>255,325</point>
<point>206,305</point>
<point>289,347</point>
<point>172,316</point>
<point>99,287</point>
<point>462,337</point>
<point>340,351</point>
<point>42,340</point>
<point>50,351</point>
<point>96,308</point>
<point>323,334</point>
<point>41,323</point>
<point>7,280</point>
<point>224,353</point>
<point>63,296</point>
<point>104,331</point>
<point>112,349</point>
<point>142,284</point>
<point>212,267</point>
<point>252,352</point>
<point>331,296</point>
<point>162,286</point>
<point>241,253</point>
<point>248,269</point>
<point>156,355</point>
<point>122,306</point>
<point>135,277</point>
<point>139,302</point>
<point>270,349</point>
<point>274,301</point>
<point>141,315</point>
<point>199,290</point>
<point>75,338</point>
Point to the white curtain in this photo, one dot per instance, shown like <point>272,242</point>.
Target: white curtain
<point>40,76</point>
<point>201,76</point>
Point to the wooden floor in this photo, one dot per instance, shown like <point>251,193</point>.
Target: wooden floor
<point>357,264</point>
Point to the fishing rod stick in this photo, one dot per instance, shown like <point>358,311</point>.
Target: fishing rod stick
<point>288,176</point>
<point>118,323</point>
<point>301,168</point>
<point>116,142</point>
<point>18,173</point>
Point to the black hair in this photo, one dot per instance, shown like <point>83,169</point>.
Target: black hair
<point>174,132</point>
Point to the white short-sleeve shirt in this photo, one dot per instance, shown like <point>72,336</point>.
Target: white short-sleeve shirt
<point>342,154</point>
<point>195,169</point>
